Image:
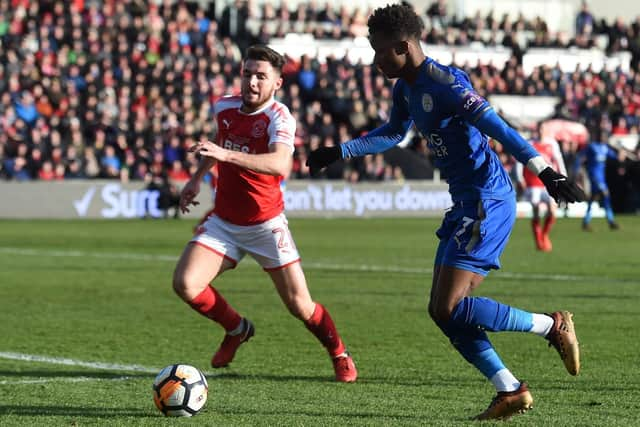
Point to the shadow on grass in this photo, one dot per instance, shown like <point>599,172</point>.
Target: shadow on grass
<point>362,379</point>
<point>236,376</point>
<point>232,376</point>
<point>350,415</point>
<point>73,411</point>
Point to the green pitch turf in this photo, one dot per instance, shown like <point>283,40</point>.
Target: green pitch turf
<point>88,317</point>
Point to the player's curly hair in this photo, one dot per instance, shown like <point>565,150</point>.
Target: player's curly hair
<point>260,52</point>
<point>396,21</point>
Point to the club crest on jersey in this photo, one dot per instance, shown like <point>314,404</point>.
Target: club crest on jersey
<point>427,102</point>
<point>258,129</point>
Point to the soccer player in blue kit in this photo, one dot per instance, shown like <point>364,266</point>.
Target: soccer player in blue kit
<point>455,121</point>
<point>596,154</point>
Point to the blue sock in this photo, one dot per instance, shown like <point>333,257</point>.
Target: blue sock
<point>490,315</point>
<point>606,201</point>
<point>474,345</point>
<point>587,215</point>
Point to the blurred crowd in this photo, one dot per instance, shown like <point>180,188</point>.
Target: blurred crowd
<point>120,89</point>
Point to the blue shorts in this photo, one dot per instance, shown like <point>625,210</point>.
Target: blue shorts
<point>474,233</point>
<point>598,186</point>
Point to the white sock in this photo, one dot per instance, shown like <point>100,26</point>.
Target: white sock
<point>503,380</point>
<point>238,328</point>
<point>542,324</point>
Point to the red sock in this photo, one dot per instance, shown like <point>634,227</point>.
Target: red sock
<point>321,325</point>
<point>537,233</point>
<point>211,304</point>
<point>548,223</point>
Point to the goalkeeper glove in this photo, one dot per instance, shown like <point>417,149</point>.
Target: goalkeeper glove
<point>560,188</point>
<point>323,157</point>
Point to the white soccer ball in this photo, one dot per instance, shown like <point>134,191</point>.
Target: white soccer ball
<point>180,390</point>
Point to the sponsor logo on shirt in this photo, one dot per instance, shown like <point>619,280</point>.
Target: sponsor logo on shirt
<point>436,144</point>
<point>471,101</point>
<point>230,145</point>
<point>237,143</point>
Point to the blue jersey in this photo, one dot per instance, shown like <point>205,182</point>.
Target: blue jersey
<point>455,122</point>
<point>596,155</point>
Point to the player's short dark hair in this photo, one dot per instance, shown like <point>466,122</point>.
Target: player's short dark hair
<point>397,21</point>
<point>261,52</point>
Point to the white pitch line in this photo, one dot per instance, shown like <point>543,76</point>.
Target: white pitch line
<point>35,358</point>
<point>307,265</point>
<point>73,362</point>
<point>62,379</point>
<point>84,254</point>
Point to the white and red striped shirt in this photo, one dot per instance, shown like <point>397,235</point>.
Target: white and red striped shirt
<point>246,197</point>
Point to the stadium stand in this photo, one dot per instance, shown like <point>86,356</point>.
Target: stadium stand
<point>119,89</point>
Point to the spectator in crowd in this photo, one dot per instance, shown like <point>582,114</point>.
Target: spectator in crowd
<point>233,22</point>
<point>585,22</point>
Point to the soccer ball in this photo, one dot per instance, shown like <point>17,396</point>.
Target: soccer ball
<point>180,390</point>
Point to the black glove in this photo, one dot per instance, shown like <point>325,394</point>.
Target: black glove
<point>560,188</point>
<point>323,157</point>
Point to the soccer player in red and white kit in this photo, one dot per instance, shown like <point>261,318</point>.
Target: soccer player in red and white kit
<point>536,193</point>
<point>253,149</point>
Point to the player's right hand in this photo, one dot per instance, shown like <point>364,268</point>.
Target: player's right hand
<point>188,194</point>
<point>323,157</point>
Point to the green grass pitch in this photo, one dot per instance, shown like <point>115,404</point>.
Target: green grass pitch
<point>81,302</point>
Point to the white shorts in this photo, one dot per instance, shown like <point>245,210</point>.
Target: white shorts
<point>537,195</point>
<point>269,243</point>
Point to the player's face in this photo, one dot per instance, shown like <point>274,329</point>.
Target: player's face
<point>391,55</point>
<point>259,83</point>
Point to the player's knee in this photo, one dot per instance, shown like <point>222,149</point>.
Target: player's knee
<point>180,284</point>
<point>431,310</point>
<point>440,313</point>
<point>300,308</point>
<point>437,314</point>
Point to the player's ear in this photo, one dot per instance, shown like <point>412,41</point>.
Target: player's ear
<point>402,47</point>
<point>279,82</point>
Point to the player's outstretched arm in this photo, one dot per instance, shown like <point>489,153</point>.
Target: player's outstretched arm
<point>376,141</point>
<point>558,185</point>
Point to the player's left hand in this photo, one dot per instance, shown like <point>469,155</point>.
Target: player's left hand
<point>188,195</point>
<point>322,157</point>
<point>210,149</point>
<point>560,188</point>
